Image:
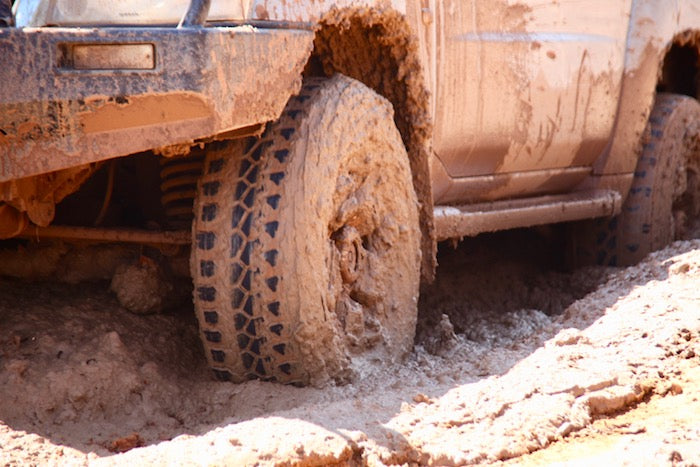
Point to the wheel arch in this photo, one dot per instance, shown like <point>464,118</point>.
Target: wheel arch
<point>679,69</point>
<point>657,31</point>
<point>377,47</point>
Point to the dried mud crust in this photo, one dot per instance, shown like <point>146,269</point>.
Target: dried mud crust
<point>482,398</point>
<point>664,199</point>
<point>377,46</point>
<point>317,258</point>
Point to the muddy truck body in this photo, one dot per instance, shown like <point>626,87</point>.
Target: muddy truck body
<point>309,155</point>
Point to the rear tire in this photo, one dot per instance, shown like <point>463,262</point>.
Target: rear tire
<point>307,248</point>
<point>665,193</point>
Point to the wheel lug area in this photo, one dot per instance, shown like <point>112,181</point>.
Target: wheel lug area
<point>349,244</point>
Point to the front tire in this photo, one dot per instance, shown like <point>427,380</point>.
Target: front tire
<point>307,254</point>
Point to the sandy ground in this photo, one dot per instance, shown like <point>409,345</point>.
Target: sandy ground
<point>515,362</point>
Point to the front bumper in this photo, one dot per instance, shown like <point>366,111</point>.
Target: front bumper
<point>66,99</point>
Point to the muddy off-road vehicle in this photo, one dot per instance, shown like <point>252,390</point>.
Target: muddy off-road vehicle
<point>313,153</point>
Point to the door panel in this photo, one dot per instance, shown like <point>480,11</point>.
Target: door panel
<point>525,86</point>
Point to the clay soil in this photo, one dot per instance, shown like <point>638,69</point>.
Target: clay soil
<point>515,360</point>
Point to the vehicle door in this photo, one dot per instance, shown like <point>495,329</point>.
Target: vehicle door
<point>523,86</point>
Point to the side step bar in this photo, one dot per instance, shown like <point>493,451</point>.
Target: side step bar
<point>472,219</point>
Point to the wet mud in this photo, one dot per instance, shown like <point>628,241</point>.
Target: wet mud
<point>513,355</point>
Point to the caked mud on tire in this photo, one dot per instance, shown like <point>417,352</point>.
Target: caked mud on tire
<point>306,248</point>
<point>665,193</point>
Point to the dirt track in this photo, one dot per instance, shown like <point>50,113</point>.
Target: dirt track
<point>525,358</point>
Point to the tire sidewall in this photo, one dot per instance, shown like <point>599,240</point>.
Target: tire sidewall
<point>646,222</point>
<point>326,144</point>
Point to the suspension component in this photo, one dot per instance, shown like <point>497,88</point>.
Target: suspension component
<point>179,176</point>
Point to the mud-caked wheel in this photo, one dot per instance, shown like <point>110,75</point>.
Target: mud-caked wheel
<point>665,195</point>
<point>306,249</point>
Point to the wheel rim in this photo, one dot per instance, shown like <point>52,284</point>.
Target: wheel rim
<point>363,239</point>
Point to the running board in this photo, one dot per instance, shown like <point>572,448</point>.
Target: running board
<point>472,219</point>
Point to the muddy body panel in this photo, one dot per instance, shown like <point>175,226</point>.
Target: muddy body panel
<point>525,98</point>
<point>654,27</point>
<point>74,96</point>
<point>507,100</point>
<point>520,87</point>
<point>549,83</point>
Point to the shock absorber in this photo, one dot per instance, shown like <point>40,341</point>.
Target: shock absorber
<point>178,185</point>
